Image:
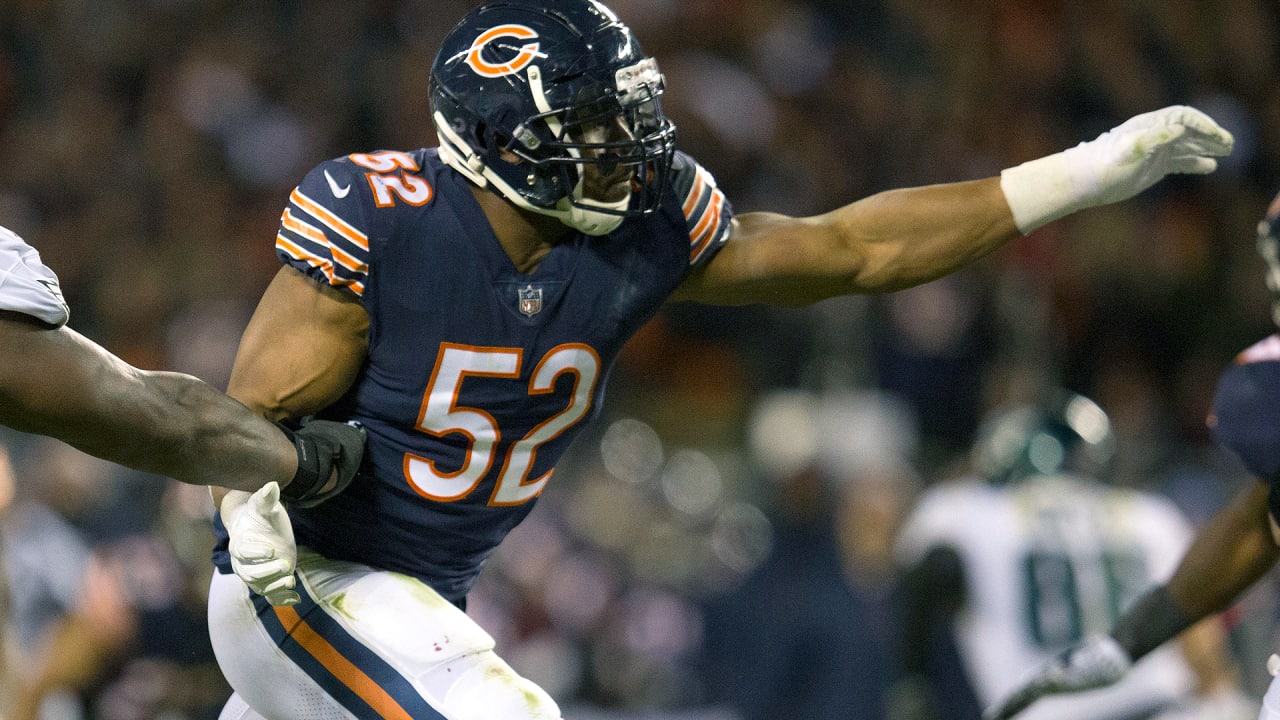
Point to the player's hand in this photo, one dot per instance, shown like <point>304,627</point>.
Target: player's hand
<point>1119,164</point>
<point>263,553</point>
<point>329,455</point>
<point>1132,157</point>
<point>1097,661</point>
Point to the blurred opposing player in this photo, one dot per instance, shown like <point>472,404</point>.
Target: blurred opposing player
<point>1037,551</point>
<point>465,303</point>
<point>1234,549</point>
<point>56,382</point>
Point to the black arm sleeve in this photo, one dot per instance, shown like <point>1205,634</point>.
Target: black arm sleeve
<point>1151,621</point>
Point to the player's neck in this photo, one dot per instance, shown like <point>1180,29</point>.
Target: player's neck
<point>526,236</point>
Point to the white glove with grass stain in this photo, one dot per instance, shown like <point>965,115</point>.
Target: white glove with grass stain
<point>263,552</point>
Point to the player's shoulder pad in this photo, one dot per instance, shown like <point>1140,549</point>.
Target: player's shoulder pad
<point>1245,417</point>
<point>374,180</point>
<point>944,514</point>
<point>326,225</point>
<point>28,286</point>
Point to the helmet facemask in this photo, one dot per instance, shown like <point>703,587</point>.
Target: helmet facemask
<point>546,162</point>
<point>1269,249</point>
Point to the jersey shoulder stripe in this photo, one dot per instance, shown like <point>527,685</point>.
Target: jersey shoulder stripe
<point>707,213</point>
<point>329,219</point>
<point>321,231</point>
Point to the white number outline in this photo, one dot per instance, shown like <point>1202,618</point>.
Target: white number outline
<point>386,186</point>
<point>440,415</point>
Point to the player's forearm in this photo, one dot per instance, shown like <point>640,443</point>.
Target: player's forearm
<point>1234,550</point>
<point>178,426</point>
<point>66,387</point>
<point>55,382</point>
<point>903,238</point>
<point>219,442</point>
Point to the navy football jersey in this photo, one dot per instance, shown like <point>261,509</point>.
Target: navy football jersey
<point>478,376</point>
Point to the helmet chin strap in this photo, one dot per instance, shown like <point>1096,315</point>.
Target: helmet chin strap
<point>574,210</point>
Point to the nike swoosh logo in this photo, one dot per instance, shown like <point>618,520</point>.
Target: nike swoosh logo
<point>338,191</point>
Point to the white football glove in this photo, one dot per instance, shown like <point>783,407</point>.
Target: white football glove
<point>1119,164</point>
<point>263,553</point>
<point>1096,661</point>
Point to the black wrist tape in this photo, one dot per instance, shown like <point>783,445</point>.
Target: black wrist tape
<point>311,474</point>
<point>1151,621</point>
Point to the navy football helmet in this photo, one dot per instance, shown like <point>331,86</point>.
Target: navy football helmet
<point>1068,434</point>
<point>526,94</point>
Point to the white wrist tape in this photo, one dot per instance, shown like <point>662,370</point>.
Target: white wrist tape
<point>1045,189</point>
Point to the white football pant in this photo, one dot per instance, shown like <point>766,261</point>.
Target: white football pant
<point>362,643</point>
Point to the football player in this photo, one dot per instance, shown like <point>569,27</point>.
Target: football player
<point>1236,547</point>
<point>56,382</point>
<point>464,303</point>
<point>1057,553</point>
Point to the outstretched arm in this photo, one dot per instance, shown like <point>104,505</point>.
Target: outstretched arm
<point>888,241</point>
<point>56,382</point>
<point>901,238</point>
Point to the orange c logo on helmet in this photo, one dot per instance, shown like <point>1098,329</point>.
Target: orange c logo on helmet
<point>525,55</point>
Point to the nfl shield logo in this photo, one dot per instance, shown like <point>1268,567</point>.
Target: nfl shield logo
<point>530,300</point>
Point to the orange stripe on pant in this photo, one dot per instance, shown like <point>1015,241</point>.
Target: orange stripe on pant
<point>346,672</point>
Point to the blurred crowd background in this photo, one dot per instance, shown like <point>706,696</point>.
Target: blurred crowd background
<point>701,553</point>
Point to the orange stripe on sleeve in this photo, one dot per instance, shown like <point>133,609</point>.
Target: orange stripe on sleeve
<point>695,193</point>
<point>322,214</point>
<point>710,218</point>
<point>309,232</point>
<point>347,673</point>
<point>317,236</point>
<point>298,253</point>
<point>348,261</point>
<point>704,239</point>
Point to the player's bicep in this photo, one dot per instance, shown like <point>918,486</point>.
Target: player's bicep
<point>772,259</point>
<point>56,382</point>
<point>49,375</point>
<point>302,348</point>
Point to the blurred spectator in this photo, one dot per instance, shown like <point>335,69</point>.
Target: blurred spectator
<point>133,644</point>
<point>810,632</point>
